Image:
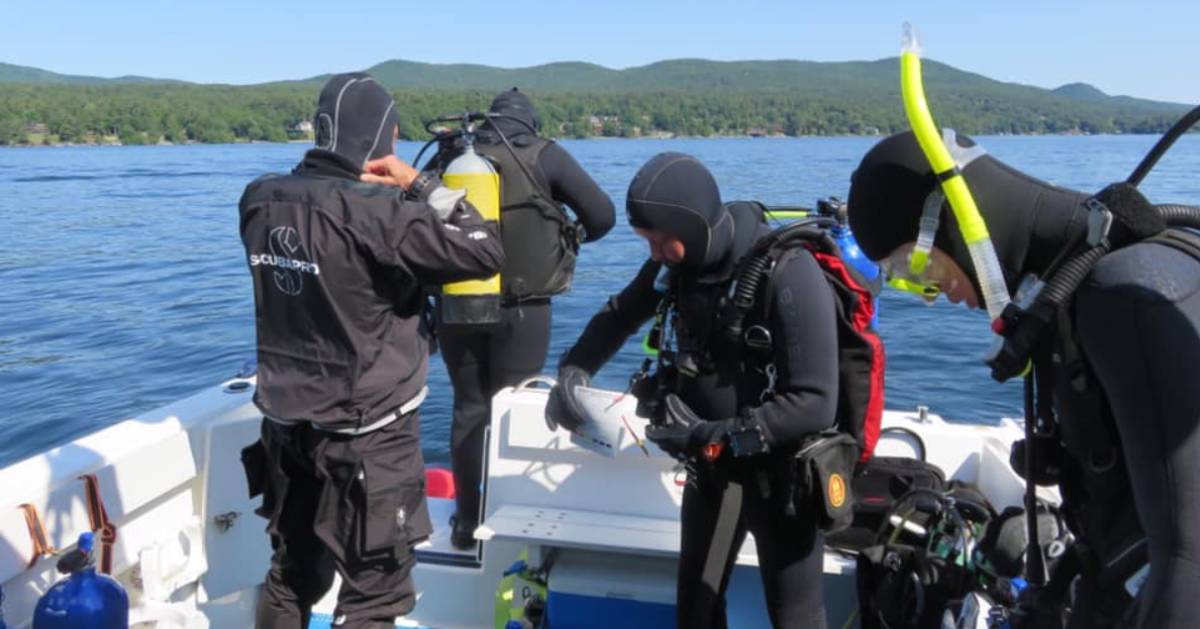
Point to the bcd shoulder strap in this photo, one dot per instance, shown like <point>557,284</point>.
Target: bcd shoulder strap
<point>1183,239</point>
<point>534,185</point>
<point>1100,439</point>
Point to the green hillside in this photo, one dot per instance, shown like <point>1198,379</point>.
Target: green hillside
<point>1088,93</point>
<point>680,96</point>
<point>842,78</point>
<point>10,73</point>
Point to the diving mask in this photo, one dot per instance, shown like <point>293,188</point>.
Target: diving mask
<point>911,273</point>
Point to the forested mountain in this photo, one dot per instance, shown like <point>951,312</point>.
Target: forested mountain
<point>683,96</point>
<point>10,73</point>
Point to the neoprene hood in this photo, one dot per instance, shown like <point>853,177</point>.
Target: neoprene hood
<point>356,118</point>
<point>674,193</point>
<point>1029,220</point>
<point>516,104</point>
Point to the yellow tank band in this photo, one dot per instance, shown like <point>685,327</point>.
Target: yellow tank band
<point>483,191</point>
<point>781,215</point>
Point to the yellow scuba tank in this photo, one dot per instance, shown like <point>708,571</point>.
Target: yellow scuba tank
<point>473,301</point>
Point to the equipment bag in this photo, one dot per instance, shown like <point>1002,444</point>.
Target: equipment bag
<point>824,466</point>
<point>876,488</point>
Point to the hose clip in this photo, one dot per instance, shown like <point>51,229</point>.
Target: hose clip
<point>1099,221</point>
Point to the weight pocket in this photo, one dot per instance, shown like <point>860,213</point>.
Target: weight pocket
<point>384,513</point>
<point>254,463</point>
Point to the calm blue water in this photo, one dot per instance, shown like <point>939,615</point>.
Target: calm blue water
<point>123,285</point>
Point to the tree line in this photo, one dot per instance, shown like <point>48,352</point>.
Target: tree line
<point>141,114</point>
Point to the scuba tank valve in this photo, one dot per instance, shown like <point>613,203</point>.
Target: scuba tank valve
<point>848,247</point>
<point>84,598</point>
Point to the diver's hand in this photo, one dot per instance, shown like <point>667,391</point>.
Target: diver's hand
<point>684,433</point>
<point>389,171</point>
<point>563,409</point>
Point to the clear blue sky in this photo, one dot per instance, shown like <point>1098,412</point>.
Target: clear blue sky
<point>1147,48</point>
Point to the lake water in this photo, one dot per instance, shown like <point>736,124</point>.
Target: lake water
<point>123,284</point>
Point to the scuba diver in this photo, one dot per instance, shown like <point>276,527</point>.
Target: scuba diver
<point>1117,407</point>
<point>537,177</point>
<point>339,251</point>
<point>738,429</point>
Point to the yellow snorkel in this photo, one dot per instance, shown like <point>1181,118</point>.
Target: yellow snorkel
<point>966,214</point>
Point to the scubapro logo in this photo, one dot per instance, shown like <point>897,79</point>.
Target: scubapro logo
<point>837,490</point>
<point>289,259</point>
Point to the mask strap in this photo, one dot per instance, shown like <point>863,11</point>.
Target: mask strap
<point>931,214</point>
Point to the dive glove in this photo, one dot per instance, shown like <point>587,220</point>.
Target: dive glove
<point>563,409</point>
<point>685,434</point>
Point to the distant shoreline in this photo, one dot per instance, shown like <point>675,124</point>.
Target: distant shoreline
<point>583,139</point>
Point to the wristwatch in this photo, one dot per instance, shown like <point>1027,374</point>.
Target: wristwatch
<point>424,183</point>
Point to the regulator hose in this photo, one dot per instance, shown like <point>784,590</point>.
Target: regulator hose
<point>1071,274</point>
<point>1178,129</point>
<point>755,266</point>
<point>747,284</point>
<point>417,160</point>
<point>488,117</point>
<point>1178,215</point>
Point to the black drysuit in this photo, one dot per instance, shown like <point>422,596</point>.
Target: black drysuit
<point>482,359</point>
<point>803,325</point>
<point>1136,324</point>
<point>340,269</point>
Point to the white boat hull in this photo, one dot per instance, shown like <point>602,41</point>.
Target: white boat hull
<point>192,553</point>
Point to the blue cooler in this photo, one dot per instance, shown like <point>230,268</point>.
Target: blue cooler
<point>591,590</point>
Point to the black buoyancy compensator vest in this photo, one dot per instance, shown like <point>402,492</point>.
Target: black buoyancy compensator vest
<point>861,357</point>
<point>540,242</point>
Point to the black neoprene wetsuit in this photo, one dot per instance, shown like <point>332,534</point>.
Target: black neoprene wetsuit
<point>790,548</point>
<point>1138,322</point>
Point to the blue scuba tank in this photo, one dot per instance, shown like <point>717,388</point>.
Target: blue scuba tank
<point>84,598</point>
<point>854,256</point>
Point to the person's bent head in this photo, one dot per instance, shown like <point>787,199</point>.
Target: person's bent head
<point>894,192</point>
<point>356,119</point>
<point>674,203</point>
